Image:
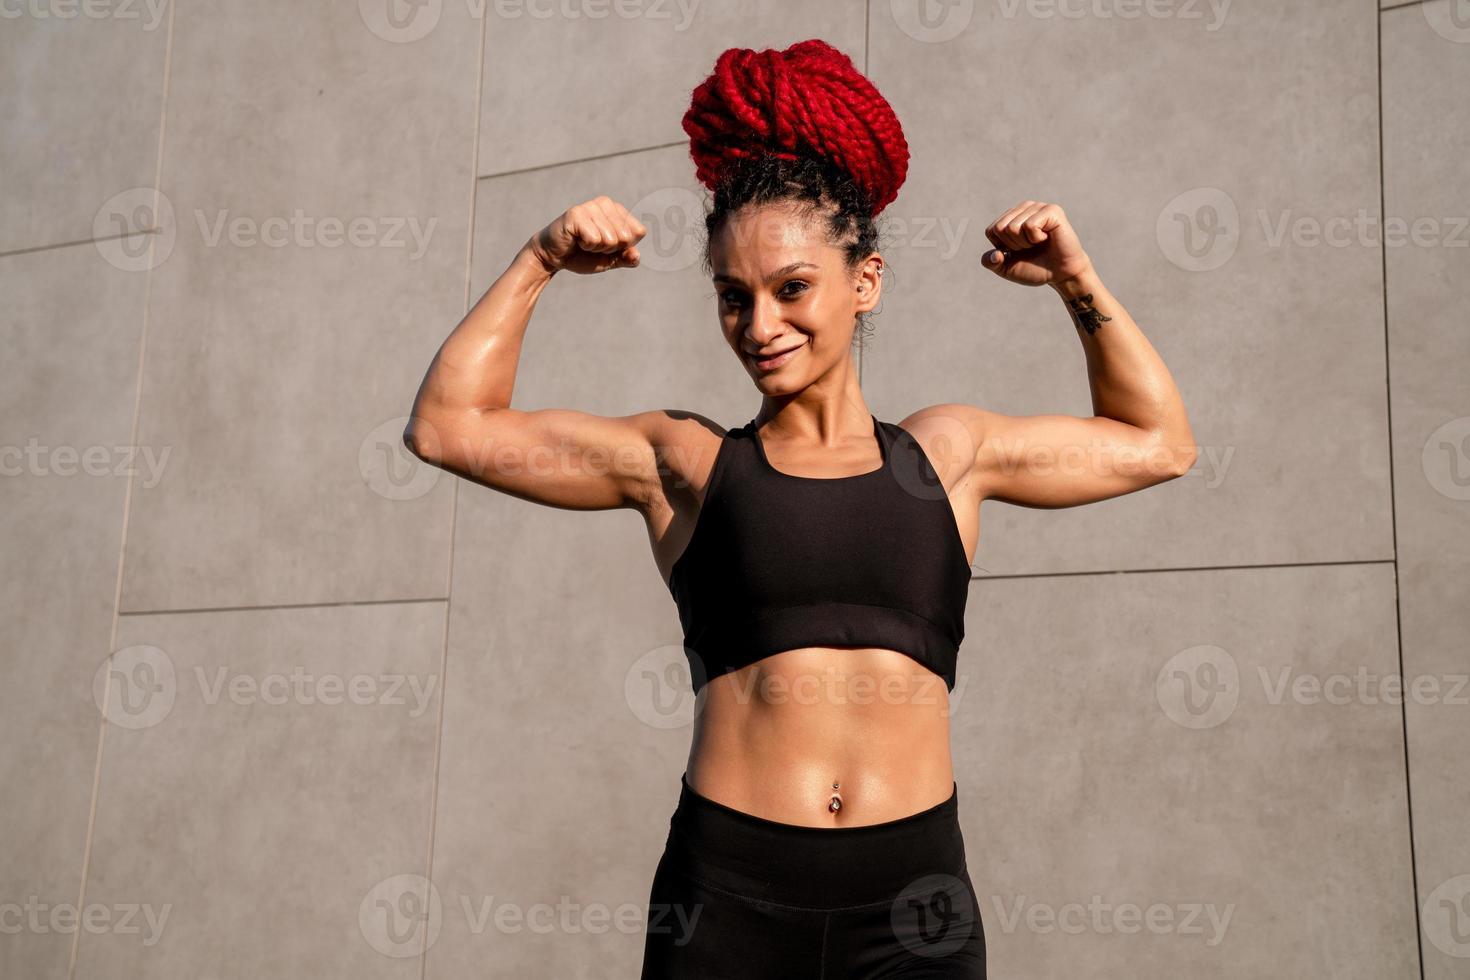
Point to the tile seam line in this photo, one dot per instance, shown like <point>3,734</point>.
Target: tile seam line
<point>1398,617</point>
<point>469,268</point>
<point>80,241</point>
<point>267,607</point>
<point>589,159</point>
<point>1184,568</point>
<point>977,578</point>
<point>122,548</point>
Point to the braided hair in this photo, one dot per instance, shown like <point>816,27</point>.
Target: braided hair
<point>801,127</point>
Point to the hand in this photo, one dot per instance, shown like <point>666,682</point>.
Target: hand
<point>591,237</point>
<point>1035,246</point>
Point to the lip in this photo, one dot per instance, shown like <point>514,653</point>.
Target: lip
<point>772,363</point>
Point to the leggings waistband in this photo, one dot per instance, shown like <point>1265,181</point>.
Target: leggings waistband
<point>814,867</point>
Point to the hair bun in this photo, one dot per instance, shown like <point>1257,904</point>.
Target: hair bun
<point>809,99</point>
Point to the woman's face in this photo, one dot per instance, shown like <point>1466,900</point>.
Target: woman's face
<point>781,289</point>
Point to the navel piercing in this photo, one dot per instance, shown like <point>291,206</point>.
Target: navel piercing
<point>836,803</point>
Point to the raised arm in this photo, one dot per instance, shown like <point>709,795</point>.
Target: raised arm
<point>1139,434</point>
<point>462,420</point>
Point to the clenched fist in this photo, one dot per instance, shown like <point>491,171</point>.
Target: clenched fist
<point>594,236</point>
<point>1035,246</point>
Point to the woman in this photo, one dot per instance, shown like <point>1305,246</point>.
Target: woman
<point>820,558</point>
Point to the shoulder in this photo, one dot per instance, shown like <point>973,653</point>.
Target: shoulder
<point>951,434</point>
<point>685,445</point>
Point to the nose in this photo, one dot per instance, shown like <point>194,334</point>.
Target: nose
<point>764,322</point>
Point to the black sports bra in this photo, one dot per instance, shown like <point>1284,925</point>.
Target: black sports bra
<point>777,562</point>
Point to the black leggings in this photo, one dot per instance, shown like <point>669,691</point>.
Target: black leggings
<point>739,896</point>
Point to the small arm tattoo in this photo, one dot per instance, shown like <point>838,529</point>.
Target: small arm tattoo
<point>1086,316</point>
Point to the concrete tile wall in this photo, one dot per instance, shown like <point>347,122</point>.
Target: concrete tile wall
<point>1426,65</point>
<point>304,705</point>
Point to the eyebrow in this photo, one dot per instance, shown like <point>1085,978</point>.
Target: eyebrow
<point>784,270</point>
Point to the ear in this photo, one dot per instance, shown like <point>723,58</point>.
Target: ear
<point>869,282</point>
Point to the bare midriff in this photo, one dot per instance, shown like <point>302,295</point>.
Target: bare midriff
<point>772,738</point>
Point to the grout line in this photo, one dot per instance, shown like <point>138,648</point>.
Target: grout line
<point>122,548</point>
<point>267,607</point>
<point>1393,511</point>
<point>469,268</point>
<point>1182,568</point>
<point>1400,6</point>
<point>568,163</point>
<point>79,241</point>
<point>974,578</point>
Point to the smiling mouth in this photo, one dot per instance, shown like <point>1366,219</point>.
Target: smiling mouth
<point>777,359</point>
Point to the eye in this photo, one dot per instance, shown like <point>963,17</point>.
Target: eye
<point>786,290</point>
<point>730,297</point>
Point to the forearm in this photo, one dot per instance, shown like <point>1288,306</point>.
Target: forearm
<point>475,367</point>
<point>1129,380</point>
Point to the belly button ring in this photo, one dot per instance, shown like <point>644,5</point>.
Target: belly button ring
<point>836,803</point>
